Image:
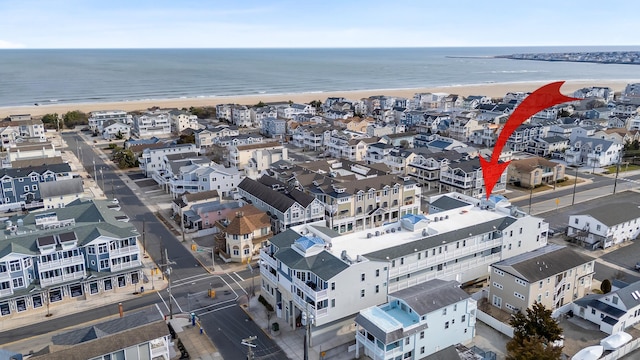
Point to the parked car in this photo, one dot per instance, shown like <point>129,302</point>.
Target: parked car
<point>638,266</point>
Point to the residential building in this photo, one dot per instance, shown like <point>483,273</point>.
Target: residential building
<point>206,137</point>
<point>368,202</point>
<point>259,156</point>
<point>111,129</point>
<point>21,128</point>
<point>97,118</point>
<point>194,175</point>
<point>535,171</point>
<point>400,139</point>
<point>182,120</point>
<point>274,128</point>
<point>465,177</point>
<point>523,135</point>
<point>600,92</point>
<point>21,186</point>
<point>613,312</point>
<point>59,193</point>
<point>137,336</point>
<point>245,233</point>
<point>334,276</point>
<point>259,114</point>
<point>462,127</point>
<point>417,322</point>
<point>238,140</point>
<point>152,159</point>
<point>346,146</point>
<point>605,225</point>
<point>63,255</point>
<point>593,152</point>
<point>553,276</point>
<point>152,123</point>
<point>241,116</point>
<point>286,208</point>
<point>552,146</point>
<point>30,150</point>
<point>625,110</point>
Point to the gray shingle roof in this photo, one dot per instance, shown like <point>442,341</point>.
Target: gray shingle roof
<point>282,202</point>
<point>61,188</point>
<point>324,264</point>
<point>439,239</point>
<point>542,263</point>
<point>22,172</point>
<point>614,214</point>
<point>447,203</point>
<point>431,295</point>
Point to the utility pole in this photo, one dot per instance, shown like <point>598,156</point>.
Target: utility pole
<point>167,271</point>
<point>144,238</point>
<point>615,181</point>
<point>575,183</point>
<point>248,342</point>
<point>530,198</point>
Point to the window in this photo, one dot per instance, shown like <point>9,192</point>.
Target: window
<point>361,277</point>
<point>401,261</point>
<point>393,263</point>
<point>18,282</point>
<point>91,250</point>
<point>455,307</point>
<point>333,286</point>
<point>421,334</point>
<point>377,272</point>
<point>236,250</point>
<point>377,289</point>
<point>102,248</point>
<point>463,318</point>
<point>518,295</point>
<point>333,302</point>
<point>422,350</point>
<point>15,265</point>
<point>444,311</point>
<point>593,311</point>
<point>497,285</point>
<point>104,264</point>
<point>446,325</point>
<point>576,221</point>
<point>362,293</point>
<point>406,341</point>
<point>521,282</point>
<point>499,272</point>
<point>540,285</point>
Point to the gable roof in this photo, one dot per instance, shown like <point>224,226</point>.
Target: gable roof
<point>614,214</point>
<point>542,263</point>
<point>61,187</point>
<point>431,295</point>
<point>277,200</point>
<point>248,219</point>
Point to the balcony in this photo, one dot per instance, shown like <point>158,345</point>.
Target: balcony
<point>6,292</point>
<point>318,295</point>
<point>305,306</point>
<point>126,265</point>
<point>125,250</point>
<point>268,258</point>
<point>62,278</point>
<point>55,264</point>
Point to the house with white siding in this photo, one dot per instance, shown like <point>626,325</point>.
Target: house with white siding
<point>606,225</point>
<point>417,322</point>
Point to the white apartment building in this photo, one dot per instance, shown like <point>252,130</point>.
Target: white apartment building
<point>182,120</point>
<point>207,137</point>
<point>157,123</point>
<point>606,225</point>
<point>153,159</point>
<point>593,152</point>
<point>417,322</point>
<point>333,276</point>
<point>241,116</point>
<point>257,156</point>
<point>97,118</point>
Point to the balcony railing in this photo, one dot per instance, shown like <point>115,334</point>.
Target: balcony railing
<point>267,258</point>
<point>60,263</point>
<point>6,292</point>
<point>62,278</point>
<point>316,295</point>
<point>133,249</point>
<point>125,265</point>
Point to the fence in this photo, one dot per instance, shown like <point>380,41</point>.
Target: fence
<point>495,323</point>
<point>626,349</point>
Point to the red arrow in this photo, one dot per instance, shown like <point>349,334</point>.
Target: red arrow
<point>544,97</point>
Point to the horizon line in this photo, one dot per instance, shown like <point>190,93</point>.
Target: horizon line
<point>321,48</point>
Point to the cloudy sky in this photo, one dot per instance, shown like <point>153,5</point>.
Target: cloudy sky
<point>266,23</point>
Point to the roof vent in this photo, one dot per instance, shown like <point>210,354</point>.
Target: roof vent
<point>377,233</point>
<point>369,235</point>
<point>424,232</point>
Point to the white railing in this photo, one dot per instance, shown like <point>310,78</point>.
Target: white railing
<point>264,272</point>
<point>371,346</point>
<point>495,323</point>
<point>265,257</point>
<point>74,260</point>
<point>62,278</point>
<point>315,295</point>
<point>624,350</point>
<point>125,265</point>
<point>6,292</point>
<point>5,275</point>
<point>133,249</point>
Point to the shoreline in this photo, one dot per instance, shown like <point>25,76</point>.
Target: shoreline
<point>487,89</point>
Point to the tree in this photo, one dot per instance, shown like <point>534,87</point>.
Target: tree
<point>563,113</point>
<point>50,121</point>
<point>260,104</point>
<point>204,112</point>
<point>605,286</point>
<point>534,335</point>
<point>76,117</point>
<point>125,159</point>
<point>119,135</point>
<point>187,139</point>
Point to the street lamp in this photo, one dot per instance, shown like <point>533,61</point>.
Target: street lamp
<point>575,183</point>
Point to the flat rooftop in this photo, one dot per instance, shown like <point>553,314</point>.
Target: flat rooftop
<point>358,243</point>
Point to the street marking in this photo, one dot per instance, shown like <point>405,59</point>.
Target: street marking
<point>239,277</point>
<point>185,281</point>
<point>177,304</point>
<point>218,309</point>
<point>161,298</point>
<point>224,281</point>
<point>240,286</point>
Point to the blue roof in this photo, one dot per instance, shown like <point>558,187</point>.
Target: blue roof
<point>439,144</point>
<point>305,242</point>
<point>414,218</point>
<point>497,198</point>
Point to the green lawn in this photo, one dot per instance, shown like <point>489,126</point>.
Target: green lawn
<point>631,167</point>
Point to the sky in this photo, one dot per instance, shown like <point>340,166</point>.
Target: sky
<point>40,24</point>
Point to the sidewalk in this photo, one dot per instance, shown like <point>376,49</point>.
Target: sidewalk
<point>292,340</point>
<point>197,344</point>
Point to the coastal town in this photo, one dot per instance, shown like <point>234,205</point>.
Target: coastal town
<point>608,57</point>
<point>333,229</point>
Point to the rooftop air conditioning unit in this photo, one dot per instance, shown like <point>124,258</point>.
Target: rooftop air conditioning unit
<point>369,235</point>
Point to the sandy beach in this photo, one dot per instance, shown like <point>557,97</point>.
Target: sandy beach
<point>492,90</point>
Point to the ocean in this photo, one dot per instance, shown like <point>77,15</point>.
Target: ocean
<point>77,76</point>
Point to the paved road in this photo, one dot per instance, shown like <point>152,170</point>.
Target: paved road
<point>190,281</point>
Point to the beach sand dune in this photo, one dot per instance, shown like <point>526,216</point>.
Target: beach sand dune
<point>492,90</point>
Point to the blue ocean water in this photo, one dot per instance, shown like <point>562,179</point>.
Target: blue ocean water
<point>73,76</point>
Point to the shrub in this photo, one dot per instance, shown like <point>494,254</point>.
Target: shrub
<point>264,302</point>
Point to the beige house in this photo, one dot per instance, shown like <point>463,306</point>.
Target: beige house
<point>57,194</point>
<point>359,125</point>
<point>244,234</point>
<point>243,156</point>
<point>534,172</point>
<point>553,275</point>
